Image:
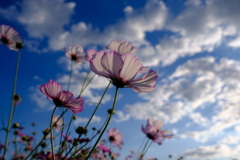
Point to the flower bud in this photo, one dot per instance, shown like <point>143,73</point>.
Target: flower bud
<point>15,125</point>
<point>81,130</point>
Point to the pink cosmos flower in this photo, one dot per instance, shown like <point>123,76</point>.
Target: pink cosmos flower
<point>60,98</point>
<point>75,53</point>
<point>115,137</point>
<point>153,131</point>
<point>10,37</point>
<point>121,70</point>
<point>123,47</point>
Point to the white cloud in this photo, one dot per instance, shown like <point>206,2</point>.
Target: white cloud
<point>214,151</point>
<point>121,116</point>
<point>79,120</point>
<point>204,84</point>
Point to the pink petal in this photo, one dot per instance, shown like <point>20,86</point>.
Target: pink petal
<point>112,63</point>
<point>158,124</point>
<point>96,64</point>
<point>126,47</point>
<point>143,69</point>
<point>51,89</point>
<point>130,68</point>
<point>76,105</point>
<point>114,44</point>
<point>65,96</point>
<point>90,54</point>
<point>145,83</point>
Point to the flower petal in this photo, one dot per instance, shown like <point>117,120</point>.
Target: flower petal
<point>76,105</point>
<point>130,68</point>
<point>96,64</point>
<point>145,83</point>
<point>65,96</point>
<point>112,63</point>
<point>51,89</point>
<point>90,54</point>
<point>126,47</point>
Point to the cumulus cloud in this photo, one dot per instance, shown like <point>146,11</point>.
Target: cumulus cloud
<point>121,116</point>
<point>214,151</point>
<point>206,84</point>
<point>79,120</point>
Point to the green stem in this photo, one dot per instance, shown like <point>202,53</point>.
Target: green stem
<point>44,137</point>
<point>82,89</point>
<point>143,151</point>
<point>98,105</point>
<point>93,112</point>
<point>89,141</point>
<point>12,105</point>
<point>108,121</point>
<point>70,76</point>
<point>52,144</point>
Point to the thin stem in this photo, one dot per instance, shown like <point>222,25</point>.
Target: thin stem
<point>98,105</point>
<point>148,147</point>
<point>70,76</point>
<point>12,105</point>
<point>44,137</point>
<point>82,89</point>
<point>52,144</point>
<point>93,112</point>
<point>108,121</point>
<point>89,140</point>
<point>143,151</point>
<point>89,82</point>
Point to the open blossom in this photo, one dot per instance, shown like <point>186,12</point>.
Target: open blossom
<point>53,91</point>
<point>75,53</point>
<point>115,137</point>
<point>121,70</point>
<point>153,131</point>
<point>123,47</point>
<point>10,37</point>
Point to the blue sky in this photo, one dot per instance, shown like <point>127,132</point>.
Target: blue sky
<point>193,45</point>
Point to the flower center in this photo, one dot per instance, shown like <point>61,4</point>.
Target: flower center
<point>5,40</point>
<point>58,102</point>
<point>150,136</point>
<point>74,57</point>
<point>119,83</point>
<point>111,138</point>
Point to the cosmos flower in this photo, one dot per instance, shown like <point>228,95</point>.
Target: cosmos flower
<point>115,137</point>
<point>60,98</point>
<point>121,70</point>
<point>123,47</point>
<point>153,131</point>
<point>75,53</point>
<point>10,37</point>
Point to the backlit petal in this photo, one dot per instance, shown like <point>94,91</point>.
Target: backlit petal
<point>130,68</point>
<point>51,89</point>
<point>112,63</point>
<point>76,105</point>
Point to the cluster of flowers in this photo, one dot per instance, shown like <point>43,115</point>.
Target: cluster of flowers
<point>121,67</point>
